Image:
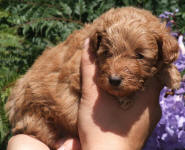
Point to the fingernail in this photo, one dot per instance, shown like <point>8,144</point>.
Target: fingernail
<point>86,44</point>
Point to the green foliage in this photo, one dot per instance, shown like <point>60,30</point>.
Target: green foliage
<point>180,20</point>
<point>4,126</point>
<point>28,26</point>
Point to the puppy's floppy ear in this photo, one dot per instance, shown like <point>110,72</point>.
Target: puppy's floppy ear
<point>168,48</point>
<point>170,76</point>
<point>168,53</point>
<point>95,41</point>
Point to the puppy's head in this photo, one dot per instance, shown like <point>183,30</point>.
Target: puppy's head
<point>129,52</point>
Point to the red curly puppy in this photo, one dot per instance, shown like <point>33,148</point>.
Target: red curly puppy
<point>130,45</point>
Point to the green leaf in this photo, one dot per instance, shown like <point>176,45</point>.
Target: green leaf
<point>80,7</point>
<point>65,9</point>
<point>183,15</point>
<point>3,14</point>
<point>26,28</point>
<point>10,40</point>
<point>126,2</point>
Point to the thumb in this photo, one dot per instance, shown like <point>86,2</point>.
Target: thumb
<point>88,68</point>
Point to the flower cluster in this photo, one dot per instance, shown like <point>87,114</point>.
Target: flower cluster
<point>170,131</point>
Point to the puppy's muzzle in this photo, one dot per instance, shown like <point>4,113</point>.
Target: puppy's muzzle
<point>115,80</point>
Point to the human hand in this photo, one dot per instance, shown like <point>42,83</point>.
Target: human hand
<point>103,124</point>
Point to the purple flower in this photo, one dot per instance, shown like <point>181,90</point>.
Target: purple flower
<point>176,10</point>
<point>181,44</point>
<point>180,121</point>
<point>180,91</point>
<point>181,136</point>
<point>163,16</point>
<point>169,24</point>
<point>175,34</point>
<point>168,13</point>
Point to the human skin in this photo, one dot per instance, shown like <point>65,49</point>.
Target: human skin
<point>102,124</point>
<point>25,142</point>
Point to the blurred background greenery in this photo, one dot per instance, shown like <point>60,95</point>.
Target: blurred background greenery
<point>27,27</point>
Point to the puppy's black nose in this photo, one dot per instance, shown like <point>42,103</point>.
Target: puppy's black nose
<point>115,80</point>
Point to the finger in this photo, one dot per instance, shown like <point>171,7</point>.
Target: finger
<point>88,69</point>
<point>70,144</point>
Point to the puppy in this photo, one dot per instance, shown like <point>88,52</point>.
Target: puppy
<point>131,45</point>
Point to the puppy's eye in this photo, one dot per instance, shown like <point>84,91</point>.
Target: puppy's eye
<point>106,53</point>
<point>139,56</point>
